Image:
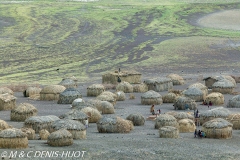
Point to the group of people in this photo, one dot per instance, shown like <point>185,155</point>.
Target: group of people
<point>153,111</point>
<point>199,134</point>
<point>207,104</point>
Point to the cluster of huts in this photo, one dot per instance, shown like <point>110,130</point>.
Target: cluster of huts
<point>62,130</point>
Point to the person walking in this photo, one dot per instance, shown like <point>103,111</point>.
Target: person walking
<point>195,133</point>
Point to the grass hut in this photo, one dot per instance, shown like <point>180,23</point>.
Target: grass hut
<point>22,112</point>
<point>137,119</point>
<point>195,94</point>
<point>107,97</point>
<point>209,81</point>
<point>216,98</point>
<point>186,125</point>
<point>223,86</point>
<point>165,120</point>
<point>51,92</point>
<point>200,86</point>
<point>68,83</point>
<point>168,132</point>
<point>127,76</point>
<point>234,119</point>
<point>94,114</point>
<point>234,102</point>
<point>40,122</point>
<point>107,107</point>
<point>4,90</point>
<point>95,103</point>
<point>218,128</point>
<point>219,112</point>
<point>236,78</point>
<point>68,96</point>
<point>7,101</point>
<point>76,128</point>
<point>151,97</point>
<point>126,87</point>
<point>44,134</point>
<point>77,115</point>
<point>120,96</point>
<point>60,138</point>
<point>31,91</point>
<point>183,103</point>
<point>13,138</point>
<point>29,132</point>
<point>169,98</point>
<point>182,115</point>
<point>114,125</point>
<point>78,102</point>
<point>176,79</point>
<point>141,88</point>
<point>95,90</point>
<point>159,84</point>
<point>4,125</point>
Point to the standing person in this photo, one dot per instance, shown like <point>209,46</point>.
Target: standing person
<point>199,134</point>
<point>159,111</point>
<point>195,133</point>
<point>119,80</point>
<point>152,109</point>
<point>153,112</point>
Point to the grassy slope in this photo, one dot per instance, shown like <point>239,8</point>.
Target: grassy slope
<point>88,39</point>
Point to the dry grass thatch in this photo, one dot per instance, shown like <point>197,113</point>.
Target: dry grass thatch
<point>141,88</point>
<point>76,128</point>
<point>68,96</point>
<point>151,97</point>
<point>176,79</point>
<point>13,138</point>
<point>182,115</point>
<point>60,138</point>
<point>218,128</point>
<point>234,102</point>
<point>137,119</point>
<point>4,90</point>
<point>195,94</point>
<point>169,98</point>
<point>68,83</point>
<point>107,107</point>
<point>200,86</point>
<point>31,91</point>
<point>7,101</point>
<point>159,84</point>
<point>29,132</point>
<point>126,87</point>
<point>234,119</point>
<point>236,78</point>
<point>124,126</point>
<point>22,112</point>
<point>186,125</point>
<point>168,132</point>
<point>44,134</point>
<point>230,78</point>
<point>216,98</point>
<point>40,122</point>
<point>75,114</point>
<point>51,92</point>
<point>94,103</point>
<point>177,92</point>
<point>182,102</point>
<point>95,115</point>
<point>131,96</point>
<point>105,97</point>
<point>223,86</point>
<point>4,125</point>
<point>165,120</point>
<point>95,90</point>
<point>120,96</point>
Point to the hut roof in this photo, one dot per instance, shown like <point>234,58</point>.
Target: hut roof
<point>60,134</point>
<point>24,108</point>
<point>158,80</point>
<point>198,85</point>
<point>109,93</point>
<point>223,83</point>
<point>3,125</point>
<point>74,115</point>
<point>107,120</point>
<point>175,77</point>
<point>105,97</point>
<point>235,98</point>
<point>12,133</point>
<point>70,92</point>
<point>67,81</point>
<point>166,117</point>
<point>7,97</point>
<point>96,86</point>
<point>234,116</point>
<point>41,119</point>
<point>184,99</point>
<point>183,115</point>
<point>193,91</point>
<point>68,124</point>
<point>4,90</point>
<point>125,73</point>
<point>151,94</point>
<point>216,112</point>
<point>217,123</point>
<point>215,94</point>
<point>53,89</point>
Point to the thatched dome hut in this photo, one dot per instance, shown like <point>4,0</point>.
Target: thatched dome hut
<point>114,125</point>
<point>68,83</point>
<point>29,132</point>
<point>176,79</point>
<point>159,84</point>
<point>95,90</point>
<point>168,132</point>
<point>151,97</point>
<point>216,98</point>
<point>78,102</point>
<point>186,125</point>
<point>108,93</point>
<point>234,118</point>
<point>219,112</point>
<point>76,128</point>
<point>165,120</point>
<point>182,115</point>
<point>7,101</point>
<point>60,138</point>
<point>223,86</point>
<point>182,102</point>
<point>200,86</point>
<point>44,134</point>
<point>22,112</point>
<point>31,91</point>
<point>169,98</point>
<point>107,97</point>
<point>234,102</point>
<point>4,125</point>
<point>13,138</point>
<point>230,78</point>
<point>68,96</point>
<point>77,115</point>
<point>120,96</point>
<point>141,88</point>
<point>107,107</point>
<point>95,103</point>
<point>94,114</point>
<point>236,78</point>
<point>4,90</point>
<point>40,122</point>
<point>126,87</point>
<point>51,92</point>
<point>137,119</point>
<point>218,128</point>
<point>195,94</point>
